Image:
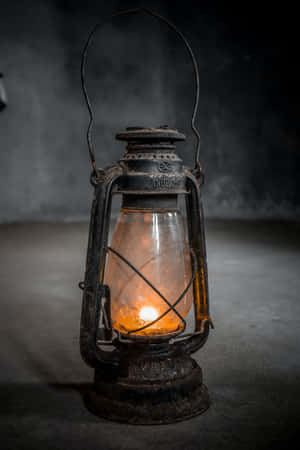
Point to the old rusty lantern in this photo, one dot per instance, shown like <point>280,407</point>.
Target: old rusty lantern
<point>139,288</point>
<point>3,99</point>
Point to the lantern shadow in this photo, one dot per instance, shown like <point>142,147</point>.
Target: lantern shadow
<point>241,416</point>
<point>47,397</point>
<point>59,401</point>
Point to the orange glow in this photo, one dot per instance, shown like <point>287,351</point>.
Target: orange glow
<point>154,242</point>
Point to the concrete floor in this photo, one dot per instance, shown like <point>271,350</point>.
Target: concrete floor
<point>251,362</point>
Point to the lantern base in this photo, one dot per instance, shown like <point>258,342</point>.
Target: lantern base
<point>149,387</point>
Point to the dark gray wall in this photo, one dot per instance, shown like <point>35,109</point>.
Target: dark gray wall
<point>139,74</point>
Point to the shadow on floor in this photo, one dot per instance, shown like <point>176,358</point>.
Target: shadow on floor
<point>52,401</point>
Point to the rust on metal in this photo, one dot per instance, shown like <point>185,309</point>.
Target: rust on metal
<point>142,379</point>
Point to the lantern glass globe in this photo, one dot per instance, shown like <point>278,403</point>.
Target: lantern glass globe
<point>155,243</point>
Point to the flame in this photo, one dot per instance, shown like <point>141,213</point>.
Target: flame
<point>148,314</point>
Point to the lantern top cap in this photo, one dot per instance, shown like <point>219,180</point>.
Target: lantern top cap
<point>161,134</point>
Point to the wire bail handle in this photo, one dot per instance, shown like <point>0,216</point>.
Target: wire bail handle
<point>87,99</point>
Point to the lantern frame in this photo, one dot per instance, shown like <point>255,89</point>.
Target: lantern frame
<point>135,381</point>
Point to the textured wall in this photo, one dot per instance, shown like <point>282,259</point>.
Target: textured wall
<point>139,74</point>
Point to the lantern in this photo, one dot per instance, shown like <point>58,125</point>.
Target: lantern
<point>140,287</point>
<point>3,99</point>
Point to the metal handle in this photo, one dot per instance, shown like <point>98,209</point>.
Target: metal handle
<point>86,97</point>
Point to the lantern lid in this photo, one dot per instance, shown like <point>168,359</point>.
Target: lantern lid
<point>141,134</point>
